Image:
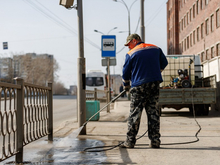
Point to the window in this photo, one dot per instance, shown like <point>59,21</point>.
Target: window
<point>184,21</point>
<point>94,81</point>
<point>190,15</point>
<point>194,37</point>
<point>198,34</point>
<point>201,4</point>
<point>182,48</point>
<point>212,52</point>
<point>197,7</point>
<point>194,11</point>
<point>218,50</point>
<point>206,2</point>
<point>207,54</point>
<point>188,42</point>
<point>182,24</point>
<point>212,23</point>
<point>207,26</point>
<point>191,39</point>
<point>217,18</point>
<point>184,44</point>
<point>202,29</point>
<point>187,18</point>
<point>202,57</point>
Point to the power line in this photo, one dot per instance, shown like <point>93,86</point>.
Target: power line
<point>56,20</point>
<point>153,17</point>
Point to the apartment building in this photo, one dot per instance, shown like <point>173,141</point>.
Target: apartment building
<point>6,69</point>
<point>198,27</point>
<point>31,67</point>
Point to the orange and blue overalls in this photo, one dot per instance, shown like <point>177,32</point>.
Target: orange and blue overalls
<point>143,64</point>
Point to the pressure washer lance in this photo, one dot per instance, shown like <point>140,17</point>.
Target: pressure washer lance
<point>113,100</point>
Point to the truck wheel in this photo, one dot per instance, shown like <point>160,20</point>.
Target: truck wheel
<point>205,109</point>
<point>191,110</point>
<point>198,109</point>
<point>186,84</point>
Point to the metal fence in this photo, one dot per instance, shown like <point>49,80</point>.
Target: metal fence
<point>25,116</point>
<point>99,95</point>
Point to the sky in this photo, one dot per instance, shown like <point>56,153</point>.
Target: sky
<point>44,26</point>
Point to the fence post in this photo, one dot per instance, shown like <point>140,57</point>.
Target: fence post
<point>95,94</point>
<point>19,120</point>
<point>50,112</point>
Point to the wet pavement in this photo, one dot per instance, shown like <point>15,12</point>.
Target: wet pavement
<point>62,151</point>
<point>177,129</point>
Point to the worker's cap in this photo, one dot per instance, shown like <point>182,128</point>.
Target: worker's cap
<point>131,37</point>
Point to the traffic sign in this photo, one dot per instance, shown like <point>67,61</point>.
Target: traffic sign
<point>108,45</point>
<point>5,45</point>
<point>112,62</point>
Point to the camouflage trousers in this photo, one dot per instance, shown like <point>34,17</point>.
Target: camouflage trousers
<point>144,96</point>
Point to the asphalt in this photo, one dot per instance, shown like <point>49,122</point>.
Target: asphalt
<point>178,146</point>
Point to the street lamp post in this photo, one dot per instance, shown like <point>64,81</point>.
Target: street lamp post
<point>128,9</point>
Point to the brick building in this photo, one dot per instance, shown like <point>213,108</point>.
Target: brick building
<point>198,33</point>
<point>172,27</point>
<point>198,27</point>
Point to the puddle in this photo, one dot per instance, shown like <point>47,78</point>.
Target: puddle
<point>66,151</point>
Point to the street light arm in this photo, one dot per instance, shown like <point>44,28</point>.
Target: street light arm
<point>98,32</point>
<point>132,5</point>
<point>128,9</point>
<point>112,29</point>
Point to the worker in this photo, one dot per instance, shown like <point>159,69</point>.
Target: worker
<point>142,76</point>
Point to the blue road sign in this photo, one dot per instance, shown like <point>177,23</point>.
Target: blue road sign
<point>5,45</point>
<point>108,45</point>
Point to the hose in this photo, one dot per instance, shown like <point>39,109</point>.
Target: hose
<point>97,149</point>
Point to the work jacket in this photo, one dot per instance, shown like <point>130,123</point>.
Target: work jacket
<point>143,64</point>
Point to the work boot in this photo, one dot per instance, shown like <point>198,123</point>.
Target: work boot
<point>126,145</point>
<point>154,145</point>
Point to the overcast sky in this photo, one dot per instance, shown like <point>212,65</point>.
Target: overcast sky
<point>43,26</point>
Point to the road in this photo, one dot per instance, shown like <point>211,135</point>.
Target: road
<point>64,109</point>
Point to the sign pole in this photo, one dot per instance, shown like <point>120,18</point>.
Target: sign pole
<point>109,90</point>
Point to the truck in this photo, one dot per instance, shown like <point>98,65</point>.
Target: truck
<point>184,86</point>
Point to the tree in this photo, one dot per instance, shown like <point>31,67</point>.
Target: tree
<point>36,69</point>
<point>59,89</point>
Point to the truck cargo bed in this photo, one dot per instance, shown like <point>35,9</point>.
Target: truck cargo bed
<point>187,96</point>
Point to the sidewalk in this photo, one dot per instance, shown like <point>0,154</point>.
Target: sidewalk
<point>176,127</point>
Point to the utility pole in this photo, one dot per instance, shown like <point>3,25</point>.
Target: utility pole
<point>81,96</point>
<point>142,22</point>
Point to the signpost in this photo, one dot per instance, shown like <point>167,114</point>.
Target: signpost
<point>5,45</point>
<point>108,45</point>
<point>108,50</point>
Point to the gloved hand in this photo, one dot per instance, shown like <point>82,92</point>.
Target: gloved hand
<point>127,88</point>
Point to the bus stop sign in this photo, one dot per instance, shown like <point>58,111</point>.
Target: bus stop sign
<point>108,45</point>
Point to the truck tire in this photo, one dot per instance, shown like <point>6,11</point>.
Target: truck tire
<point>200,109</point>
<point>197,108</point>
<point>186,84</point>
<point>191,110</point>
<point>206,109</point>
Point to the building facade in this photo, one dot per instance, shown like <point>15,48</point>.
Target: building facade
<point>33,68</point>
<point>198,27</point>
<point>173,27</point>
